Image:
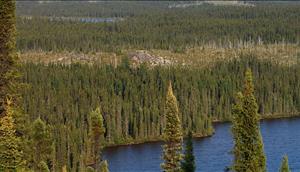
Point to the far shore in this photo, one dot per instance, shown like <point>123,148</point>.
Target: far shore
<point>200,135</point>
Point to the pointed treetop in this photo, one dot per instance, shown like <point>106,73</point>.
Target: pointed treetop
<point>285,165</point>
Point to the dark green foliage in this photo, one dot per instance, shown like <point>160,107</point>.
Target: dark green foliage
<point>8,57</point>
<point>285,165</point>
<point>248,148</point>
<point>149,25</point>
<point>172,135</point>
<point>132,100</point>
<point>10,142</point>
<point>188,164</point>
<point>41,145</point>
<point>97,131</point>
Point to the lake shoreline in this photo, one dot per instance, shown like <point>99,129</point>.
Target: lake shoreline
<point>200,135</point>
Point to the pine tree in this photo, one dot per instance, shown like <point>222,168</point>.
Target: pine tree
<point>188,165</point>
<point>248,148</point>
<point>8,56</point>
<point>10,153</point>
<point>97,131</point>
<point>172,135</point>
<point>41,143</point>
<point>285,165</point>
<point>104,166</point>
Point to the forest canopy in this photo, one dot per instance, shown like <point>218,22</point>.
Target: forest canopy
<point>151,25</point>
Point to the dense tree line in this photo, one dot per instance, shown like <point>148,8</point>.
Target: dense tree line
<point>132,100</point>
<point>157,26</point>
<point>67,134</point>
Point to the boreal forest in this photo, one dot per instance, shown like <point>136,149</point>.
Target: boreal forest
<point>80,76</point>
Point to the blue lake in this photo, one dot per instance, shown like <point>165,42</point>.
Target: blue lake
<point>281,136</point>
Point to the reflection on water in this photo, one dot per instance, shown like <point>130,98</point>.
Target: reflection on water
<point>213,153</point>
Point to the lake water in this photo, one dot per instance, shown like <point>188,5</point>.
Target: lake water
<point>87,19</point>
<point>79,19</point>
<point>280,136</point>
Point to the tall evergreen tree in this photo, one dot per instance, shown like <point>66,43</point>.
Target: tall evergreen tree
<point>188,164</point>
<point>172,135</point>
<point>285,165</point>
<point>41,144</point>
<point>10,153</point>
<point>8,56</point>
<point>248,145</point>
<point>97,131</point>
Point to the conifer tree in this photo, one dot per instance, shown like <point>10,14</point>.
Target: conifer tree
<point>8,56</point>
<point>188,165</point>
<point>172,135</point>
<point>285,165</point>
<point>248,145</point>
<point>104,166</point>
<point>10,153</point>
<point>41,144</point>
<point>97,131</point>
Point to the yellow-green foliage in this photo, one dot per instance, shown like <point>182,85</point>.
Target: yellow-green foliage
<point>172,135</point>
<point>206,55</point>
<point>248,145</point>
<point>104,166</point>
<point>285,165</point>
<point>10,153</point>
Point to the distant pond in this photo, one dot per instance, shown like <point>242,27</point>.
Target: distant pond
<point>80,19</point>
<point>281,136</point>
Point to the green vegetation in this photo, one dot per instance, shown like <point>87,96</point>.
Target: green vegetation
<point>285,165</point>
<point>8,57</point>
<point>11,140</point>
<point>153,25</point>
<point>63,132</point>
<point>104,166</point>
<point>188,164</point>
<point>248,145</point>
<point>10,150</point>
<point>132,100</point>
<point>97,131</point>
<point>41,147</point>
<point>172,135</point>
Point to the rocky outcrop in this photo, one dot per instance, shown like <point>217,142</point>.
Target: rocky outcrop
<point>141,56</point>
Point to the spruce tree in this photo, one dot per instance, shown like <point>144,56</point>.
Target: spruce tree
<point>248,145</point>
<point>10,153</point>
<point>41,144</point>
<point>97,132</point>
<point>172,135</point>
<point>285,165</point>
<point>104,166</point>
<point>8,56</point>
<point>188,164</point>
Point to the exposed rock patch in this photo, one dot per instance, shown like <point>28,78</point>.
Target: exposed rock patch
<point>141,56</point>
